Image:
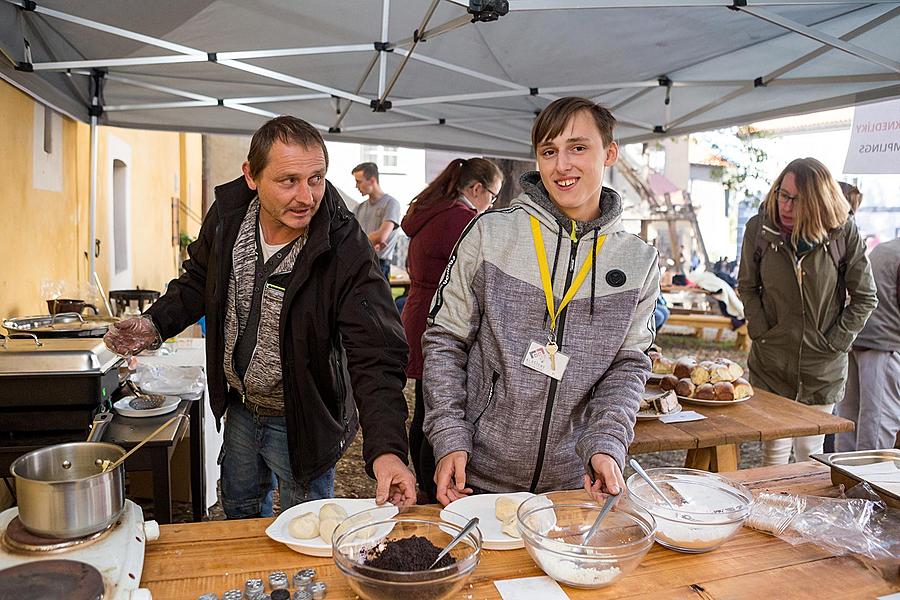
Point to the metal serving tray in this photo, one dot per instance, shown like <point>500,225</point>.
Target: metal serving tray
<point>840,474</point>
<point>55,356</point>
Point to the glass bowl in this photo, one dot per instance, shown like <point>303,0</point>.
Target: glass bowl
<point>709,509</point>
<point>361,534</point>
<point>552,526</point>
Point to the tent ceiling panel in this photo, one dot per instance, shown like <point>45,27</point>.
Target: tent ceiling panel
<point>467,86</point>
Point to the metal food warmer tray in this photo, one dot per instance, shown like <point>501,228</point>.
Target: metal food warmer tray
<point>54,384</point>
<point>841,474</point>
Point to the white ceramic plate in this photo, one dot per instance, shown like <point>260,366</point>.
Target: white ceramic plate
<point>713,402</point>
<point>484,506</point>
<point>278,530</point>
<point>124,408</point>
<point>650,415</point>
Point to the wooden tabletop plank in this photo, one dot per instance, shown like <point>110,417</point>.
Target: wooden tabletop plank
<point>833,577</point>
<point>765,416</point>
<point>195,558</point>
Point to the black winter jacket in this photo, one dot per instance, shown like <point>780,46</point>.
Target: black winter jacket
<point>338,318</point>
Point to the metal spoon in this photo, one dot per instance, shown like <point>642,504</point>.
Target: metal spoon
<point>607,506</point>
<point>640,471</point>
<point>459,536</point>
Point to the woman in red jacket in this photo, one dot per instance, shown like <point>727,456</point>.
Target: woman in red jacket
<point>434,222</point>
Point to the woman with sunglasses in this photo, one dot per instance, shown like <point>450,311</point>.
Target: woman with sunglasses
<point>807,290</point>
<point>434,222</point>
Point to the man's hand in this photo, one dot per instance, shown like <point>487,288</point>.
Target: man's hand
<point>450,477</point>
<point>607,477</point>
<point>131,336</point>
<point>395,482</point>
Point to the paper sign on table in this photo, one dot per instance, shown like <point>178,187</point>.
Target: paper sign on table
<point>529,588</point>
<point>685,415</point>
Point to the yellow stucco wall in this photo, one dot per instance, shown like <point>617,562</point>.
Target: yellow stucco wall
<point>46,232</point>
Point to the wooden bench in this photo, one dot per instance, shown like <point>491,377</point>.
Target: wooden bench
<point>700,322</point>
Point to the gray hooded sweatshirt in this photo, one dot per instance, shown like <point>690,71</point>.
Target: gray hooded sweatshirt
<point>522,429</point>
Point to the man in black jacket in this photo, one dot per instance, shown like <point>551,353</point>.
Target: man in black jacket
<point>303,341</point>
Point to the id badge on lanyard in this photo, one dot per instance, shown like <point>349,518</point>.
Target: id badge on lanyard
<point>545,357</point>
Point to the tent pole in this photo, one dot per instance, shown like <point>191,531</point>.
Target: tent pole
<point>96,109</point>
<point>92,205</point>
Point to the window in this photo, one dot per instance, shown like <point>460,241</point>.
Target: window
<point>383,156</point>
<point>120,216</point>
<point>48,130</point>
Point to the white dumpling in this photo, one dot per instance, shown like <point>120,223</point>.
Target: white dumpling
<point>355,522</point>
<point>304,527</point>
<point>510,529</point>
<point>327,527</point>
<point>506,507</point>
<point>332,511</point>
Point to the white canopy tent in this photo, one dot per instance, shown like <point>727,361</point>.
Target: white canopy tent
<point>427,73</point>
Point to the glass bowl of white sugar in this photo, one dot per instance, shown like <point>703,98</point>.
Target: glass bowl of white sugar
<point>708,509</point>
<point>553,526</point>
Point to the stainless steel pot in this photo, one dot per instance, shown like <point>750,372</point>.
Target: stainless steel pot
<point>61,490</point>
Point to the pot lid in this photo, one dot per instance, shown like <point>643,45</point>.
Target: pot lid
<point>55,356</point>
<point>59,323</point>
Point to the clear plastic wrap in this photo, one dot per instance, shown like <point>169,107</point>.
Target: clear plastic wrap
<point>858,523</point>
<point>186,382</point>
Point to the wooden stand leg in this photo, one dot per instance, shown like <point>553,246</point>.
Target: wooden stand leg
<point>724,458</point>
<point>718,459</point>
<point>698,458</point>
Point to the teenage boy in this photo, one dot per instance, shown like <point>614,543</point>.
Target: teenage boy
<point>535,351</point>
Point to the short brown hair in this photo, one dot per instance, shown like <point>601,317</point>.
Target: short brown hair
<point>820,205</point>
<point>556,115</point>
<point>287,130</point>
<point>369,170</point>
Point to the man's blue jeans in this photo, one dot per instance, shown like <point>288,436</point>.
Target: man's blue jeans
<point>254,455</point>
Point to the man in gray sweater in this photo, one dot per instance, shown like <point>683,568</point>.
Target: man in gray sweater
<point>872,396</point>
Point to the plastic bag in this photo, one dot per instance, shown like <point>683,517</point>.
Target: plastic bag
<point>187,382</point>
<point>858,523</point>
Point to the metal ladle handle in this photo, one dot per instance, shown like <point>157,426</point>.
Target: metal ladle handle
<point>107,466</point>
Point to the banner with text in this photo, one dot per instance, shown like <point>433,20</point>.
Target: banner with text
<point>874,139</point>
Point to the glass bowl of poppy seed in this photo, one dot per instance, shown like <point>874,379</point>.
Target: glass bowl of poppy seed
<point>387,554</point>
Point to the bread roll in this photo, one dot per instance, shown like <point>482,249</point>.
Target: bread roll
<point>742,388</point>
<point>663,365</point>
<point>736,370</point>
<point>699,374</point>
<point>719,373</point>
<point>668,382</point>
<point>685,387</point>
<point>683,366</point>
<point>304,527</point>
<point>724,390</point>
<point>705,392</point>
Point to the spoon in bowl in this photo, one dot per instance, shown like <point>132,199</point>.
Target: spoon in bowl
<point>459,536</point>
<point>607,506</point>
<point>640,471</point>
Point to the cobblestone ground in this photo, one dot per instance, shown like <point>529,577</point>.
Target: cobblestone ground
<point>351,480</point>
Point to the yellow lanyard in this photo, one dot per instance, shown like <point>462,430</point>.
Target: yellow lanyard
<point>545,275</point>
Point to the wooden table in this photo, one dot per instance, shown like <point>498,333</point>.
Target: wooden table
<point>712,443</point>
<point>191,559</point>
<point>156,455</point>
<point>402,281</point>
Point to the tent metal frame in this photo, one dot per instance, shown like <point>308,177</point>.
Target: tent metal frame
<point>235,60</point>
<point>406,49</point>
